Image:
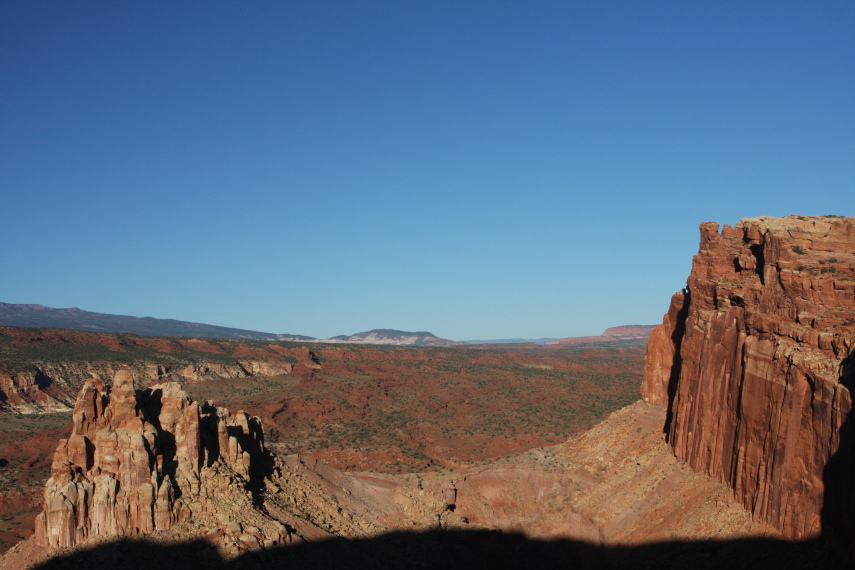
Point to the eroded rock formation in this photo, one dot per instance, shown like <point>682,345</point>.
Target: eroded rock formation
<point>133,461</point>
<point>754,361</point>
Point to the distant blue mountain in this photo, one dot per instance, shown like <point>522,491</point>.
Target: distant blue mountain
<point>39,316</point>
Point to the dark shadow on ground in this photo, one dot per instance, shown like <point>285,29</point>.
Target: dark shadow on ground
<point>460,549</point>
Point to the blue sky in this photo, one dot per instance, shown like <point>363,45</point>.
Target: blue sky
<point>476,169</point>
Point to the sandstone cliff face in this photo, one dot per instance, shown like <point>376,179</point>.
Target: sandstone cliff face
<point>133,461</point>
<point>754,361</point>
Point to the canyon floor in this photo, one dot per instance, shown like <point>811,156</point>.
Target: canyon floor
<point>384,410</point>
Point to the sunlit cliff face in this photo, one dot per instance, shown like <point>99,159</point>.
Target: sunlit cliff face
<point>751,361</point>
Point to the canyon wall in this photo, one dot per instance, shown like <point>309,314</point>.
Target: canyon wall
<point>52,386</point>
<point>754,361</point>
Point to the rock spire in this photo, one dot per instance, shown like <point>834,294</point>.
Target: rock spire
<point>132,462</point>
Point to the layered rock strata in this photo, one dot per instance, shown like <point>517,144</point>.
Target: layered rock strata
<point>51,386</point>
<point>135,459</point>
<point>754,361</point>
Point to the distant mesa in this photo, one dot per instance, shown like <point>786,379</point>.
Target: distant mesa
<point>629,331</point>
<point>612,334</point>
<point>393,337</point>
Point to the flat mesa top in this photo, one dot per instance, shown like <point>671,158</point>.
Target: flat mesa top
<point>811,224</point>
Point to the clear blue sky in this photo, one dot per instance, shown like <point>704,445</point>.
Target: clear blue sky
<point>476,169</point>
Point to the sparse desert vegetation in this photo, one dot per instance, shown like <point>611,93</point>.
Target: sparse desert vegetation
<point>414,409</point>
<point>357,407</point>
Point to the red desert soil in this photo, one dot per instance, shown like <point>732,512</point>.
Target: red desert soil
<point>26,448</point>
<point>395,409</point>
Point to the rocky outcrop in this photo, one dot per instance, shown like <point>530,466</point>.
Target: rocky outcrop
<point>755,363</point>
<point>134,461</point>
<point>206,371</point>
<point>661,363</point>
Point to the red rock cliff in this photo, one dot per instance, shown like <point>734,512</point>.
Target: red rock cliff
<point>132,462</point>
<point>755,363</point>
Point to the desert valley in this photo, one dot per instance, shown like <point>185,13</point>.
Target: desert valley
<point>724,437</point>
<point>387,284</point>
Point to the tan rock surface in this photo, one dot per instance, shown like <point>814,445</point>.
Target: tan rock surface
<point>50,386</point>
<point>617,484</point>
<point>133,461</point>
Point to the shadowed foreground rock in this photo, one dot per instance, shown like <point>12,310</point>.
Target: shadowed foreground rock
<point>460,549</point>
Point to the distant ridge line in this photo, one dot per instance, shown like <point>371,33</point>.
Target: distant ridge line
<point>40,316</point>
<point>73,318</point>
